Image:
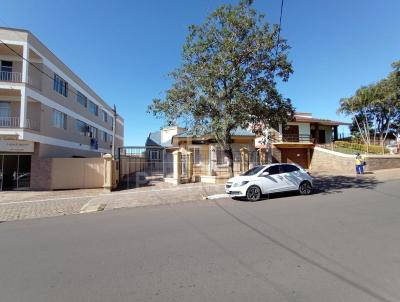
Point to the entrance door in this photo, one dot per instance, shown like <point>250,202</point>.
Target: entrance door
<point>321,137</point>
<point>15,172</point>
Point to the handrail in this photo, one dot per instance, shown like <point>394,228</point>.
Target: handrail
<point>292,138</point>
<point>14,122</point>
<point>8,76</point>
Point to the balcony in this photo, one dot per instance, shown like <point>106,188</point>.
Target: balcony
<point>304,139</point>
<point>7,76</point>
<point>14,122</point>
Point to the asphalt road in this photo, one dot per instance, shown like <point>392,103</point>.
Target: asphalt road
<point>339,245</point>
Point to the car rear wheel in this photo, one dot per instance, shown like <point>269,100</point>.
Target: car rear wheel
<point>253,193</point>
<point>305,188</point>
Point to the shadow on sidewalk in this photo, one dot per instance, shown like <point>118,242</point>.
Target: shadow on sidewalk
<point>329,184</point>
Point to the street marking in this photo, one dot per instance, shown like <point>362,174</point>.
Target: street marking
<point>103,194</point>
<point>218,196</point>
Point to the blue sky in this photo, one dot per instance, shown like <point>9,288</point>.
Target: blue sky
<point>125,49</point>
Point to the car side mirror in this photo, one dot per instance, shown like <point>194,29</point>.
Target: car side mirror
<point>264,174</point>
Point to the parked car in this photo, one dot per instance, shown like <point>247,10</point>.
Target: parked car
<point>265,179</point>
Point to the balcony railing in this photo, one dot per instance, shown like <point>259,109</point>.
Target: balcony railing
<point>16,77</point>
<point>292,138</point>
<point>14,122</point>
<point>7,76</point>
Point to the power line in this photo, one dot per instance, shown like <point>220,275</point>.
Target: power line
<point>39,69</point>
<point>29,62</point>
<point>279,28</point>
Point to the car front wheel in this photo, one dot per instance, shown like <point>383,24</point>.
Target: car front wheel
<point>305,188</point>
<point>253,193</point>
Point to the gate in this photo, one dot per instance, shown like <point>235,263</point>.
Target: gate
<point>141,166</point>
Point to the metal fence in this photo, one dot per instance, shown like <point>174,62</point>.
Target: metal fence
<point>140,166</point>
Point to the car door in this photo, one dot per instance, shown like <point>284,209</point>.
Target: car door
<point>292,176</point>
<point>273,182</point>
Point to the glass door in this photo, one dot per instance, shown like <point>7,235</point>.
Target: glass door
<point>15,172</point>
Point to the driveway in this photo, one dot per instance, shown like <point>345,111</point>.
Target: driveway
<point>342,244</point>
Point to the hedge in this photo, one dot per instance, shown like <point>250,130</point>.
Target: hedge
<point>360,147</point>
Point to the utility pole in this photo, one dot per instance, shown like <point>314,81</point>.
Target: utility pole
<point>113,137</point>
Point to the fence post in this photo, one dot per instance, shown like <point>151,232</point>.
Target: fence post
<point>177,160</point>
<point>189,165</point>
<point>108,172</point>
<point>244,159</point>
<point>262,155</point>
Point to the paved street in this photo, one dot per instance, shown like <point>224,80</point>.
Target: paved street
<point>342,244</point>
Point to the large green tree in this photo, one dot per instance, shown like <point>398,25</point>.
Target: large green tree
<point>228,76</point>
<point>375,109</point>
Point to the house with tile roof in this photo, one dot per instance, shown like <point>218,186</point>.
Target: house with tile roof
<point>208,158</point>
<point>295,142</point>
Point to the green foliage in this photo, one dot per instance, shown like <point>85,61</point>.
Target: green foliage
<point>354,147</point>
<point>228,76</point>
<point>375,108</point>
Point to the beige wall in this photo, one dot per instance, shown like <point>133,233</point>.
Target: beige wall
<point>77,173</point>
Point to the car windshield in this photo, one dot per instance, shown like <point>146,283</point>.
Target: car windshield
<point>253,171</point>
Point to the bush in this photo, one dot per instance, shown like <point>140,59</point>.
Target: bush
<point>360,147</point>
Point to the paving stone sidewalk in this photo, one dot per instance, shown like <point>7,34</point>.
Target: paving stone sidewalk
<point>26,205</point>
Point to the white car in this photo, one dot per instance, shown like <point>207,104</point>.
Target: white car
<point>267,179</point>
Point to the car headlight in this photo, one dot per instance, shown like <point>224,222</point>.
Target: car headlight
<point>239,184</point>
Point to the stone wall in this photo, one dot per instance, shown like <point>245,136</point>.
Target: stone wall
<point>378,162</point>
<point>326,160</point>
<point>323,160</point>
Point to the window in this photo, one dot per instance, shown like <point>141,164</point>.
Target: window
<point>93,132</point>
<point>6,71</point>
<point>5,109</point>
<point>104,116</point>
<point>6,66</point>
<point>221,158</point>
<point>253,171</point>
<point>289,168</point>
<point>106,137</point>
<point>93,108</point>
<point>154,155</point>
<point>81,99</point>
<point>60,85</point>
<point>59,119</point>
<point>111,120</point>
<point>81,127</point>
<point>274,170</point>
<point>196,155</point>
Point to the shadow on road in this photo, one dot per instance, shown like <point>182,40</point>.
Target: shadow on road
<point>336,183</point>
<point>329,184</point>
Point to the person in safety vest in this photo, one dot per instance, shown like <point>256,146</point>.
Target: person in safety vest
<point>359,164</point>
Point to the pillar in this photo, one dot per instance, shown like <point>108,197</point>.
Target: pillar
<point>189,165</point>
<point>244,159</point>
<point>24,98</point>
<point>177,165</point>
<point>262,155</point>
<point>108,172</point>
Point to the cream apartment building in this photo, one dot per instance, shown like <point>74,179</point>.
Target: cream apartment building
<point>46,111</point>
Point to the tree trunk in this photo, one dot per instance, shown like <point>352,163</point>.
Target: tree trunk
<point>229,154</point>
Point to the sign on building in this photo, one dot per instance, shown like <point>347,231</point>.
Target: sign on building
<point>16,146</point>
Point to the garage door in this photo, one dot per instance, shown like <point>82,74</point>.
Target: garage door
<point>295,155</point>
